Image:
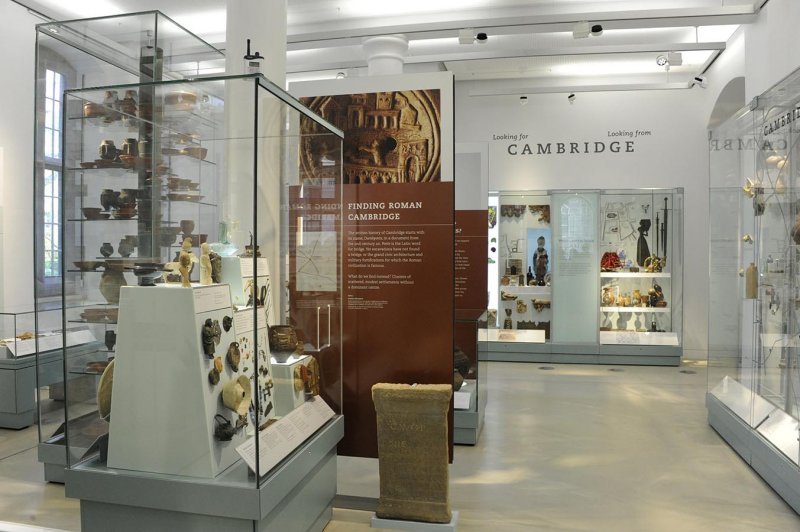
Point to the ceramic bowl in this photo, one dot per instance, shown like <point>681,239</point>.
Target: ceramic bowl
<point>87,265</point>
<point>94,213</point>
<point>197,152</point>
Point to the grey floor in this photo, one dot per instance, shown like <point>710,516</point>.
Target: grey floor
<point>577,448</point>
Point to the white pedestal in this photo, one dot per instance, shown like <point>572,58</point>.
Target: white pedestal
<point>286,397</point>
<point>163,405</point>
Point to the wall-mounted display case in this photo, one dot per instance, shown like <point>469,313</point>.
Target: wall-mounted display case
<point>586,276</point>
<point>195,257</point>
<point>753,378</point>
<point>131,48</point>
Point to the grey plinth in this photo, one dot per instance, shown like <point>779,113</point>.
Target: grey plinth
<point>296,496</point>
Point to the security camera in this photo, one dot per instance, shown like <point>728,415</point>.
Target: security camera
<point>571,98</point>
<point>597,30</point>
<point>523,100</point>
<point>481,37</point>
<point>700,80</point>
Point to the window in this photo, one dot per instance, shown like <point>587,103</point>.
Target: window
<point>54,88</point>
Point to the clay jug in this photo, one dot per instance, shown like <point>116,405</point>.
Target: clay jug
<point>110,283</point>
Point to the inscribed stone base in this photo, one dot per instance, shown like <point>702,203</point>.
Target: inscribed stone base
<point>413,451</point>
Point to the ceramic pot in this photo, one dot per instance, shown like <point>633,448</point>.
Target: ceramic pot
<point>107,150</point>
<point>130,147</point>
<point>110,283</point>
<point>108,199</point>
<point>111,340</point>
<point>106,249</point>
<point>125,248</point>
<point>187,226</point>
<point>127,197</point>
<point>145,148</point>
<point>282,342</point>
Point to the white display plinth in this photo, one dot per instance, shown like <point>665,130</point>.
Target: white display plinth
<point>284,394</point>
<point>163,405</point>
<point>534,336</point>
<point>236,271</point>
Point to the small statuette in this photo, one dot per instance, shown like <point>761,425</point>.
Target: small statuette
<point>227,323</point>
<point>208,338</point>
<point>205,265</point>
<point>216,267</point>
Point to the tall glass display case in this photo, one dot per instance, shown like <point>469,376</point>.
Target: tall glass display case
<point>131,48</point>
<point>208,259</point>
<point>641,268</point>
<point>586,276</point>
<point>753,376</point>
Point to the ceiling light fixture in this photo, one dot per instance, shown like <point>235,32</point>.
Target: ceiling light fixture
<point>674,58</point>
<point>523,100</point>
<point>581,30</point>
<point>466,36</point>
<point>597,30</point>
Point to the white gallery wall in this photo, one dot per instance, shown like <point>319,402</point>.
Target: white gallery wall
<point>661,142</point>
<point>771,46</point>
<point>17,38</point>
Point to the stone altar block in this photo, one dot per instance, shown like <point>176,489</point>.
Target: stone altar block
<point>413,451</point>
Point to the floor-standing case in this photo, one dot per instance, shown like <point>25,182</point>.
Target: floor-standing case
<point>225,375</point>
<point>131,48</point>
<point>753,380</point>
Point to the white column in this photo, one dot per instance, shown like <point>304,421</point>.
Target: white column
<point>385,54</point>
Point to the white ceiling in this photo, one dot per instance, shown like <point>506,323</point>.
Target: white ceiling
<point>529,40</point>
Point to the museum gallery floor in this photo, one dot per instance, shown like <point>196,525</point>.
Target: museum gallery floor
<point>565,448</point>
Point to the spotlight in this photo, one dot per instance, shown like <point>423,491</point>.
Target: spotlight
<point>597,30</point>
<point>661,60</point>
<point>571,98</point>
<point>700,80</point>
<point>481,38</point>
<point>523,100</point>
<point>466,36</point>
<point>674,58</point>
<point>341,75</point>
<point>581,30</point>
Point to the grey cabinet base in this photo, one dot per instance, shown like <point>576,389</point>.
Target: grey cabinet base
<point>297,496</point>
<point>581,354</point>
<point>776,470</point>
<point>54,458</point>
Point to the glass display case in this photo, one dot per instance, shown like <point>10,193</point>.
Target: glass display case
<point>753,379</point>
<point>586,276</point>
<point>131,48</point>
<point>18,345</point>
<point>203,230</point>
<point>641,267</point>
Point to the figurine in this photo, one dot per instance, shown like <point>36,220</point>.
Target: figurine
<point>205,265</point>
<point>186,259</point>
<point>208,338</point>
<point>216,267</point>
<point>185,262</point>
<point>540,261</point>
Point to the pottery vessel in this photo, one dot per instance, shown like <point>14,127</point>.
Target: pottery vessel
<point>107,150</point>
<point>108,199</point>
<point>130,147</point>
<point>282,342</point>
<point>110,284</point>
<point>106,249</point>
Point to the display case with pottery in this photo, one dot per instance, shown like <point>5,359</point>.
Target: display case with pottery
<point>197,398</point>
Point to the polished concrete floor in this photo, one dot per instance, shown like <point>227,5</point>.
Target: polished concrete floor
<point>578,448</point>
